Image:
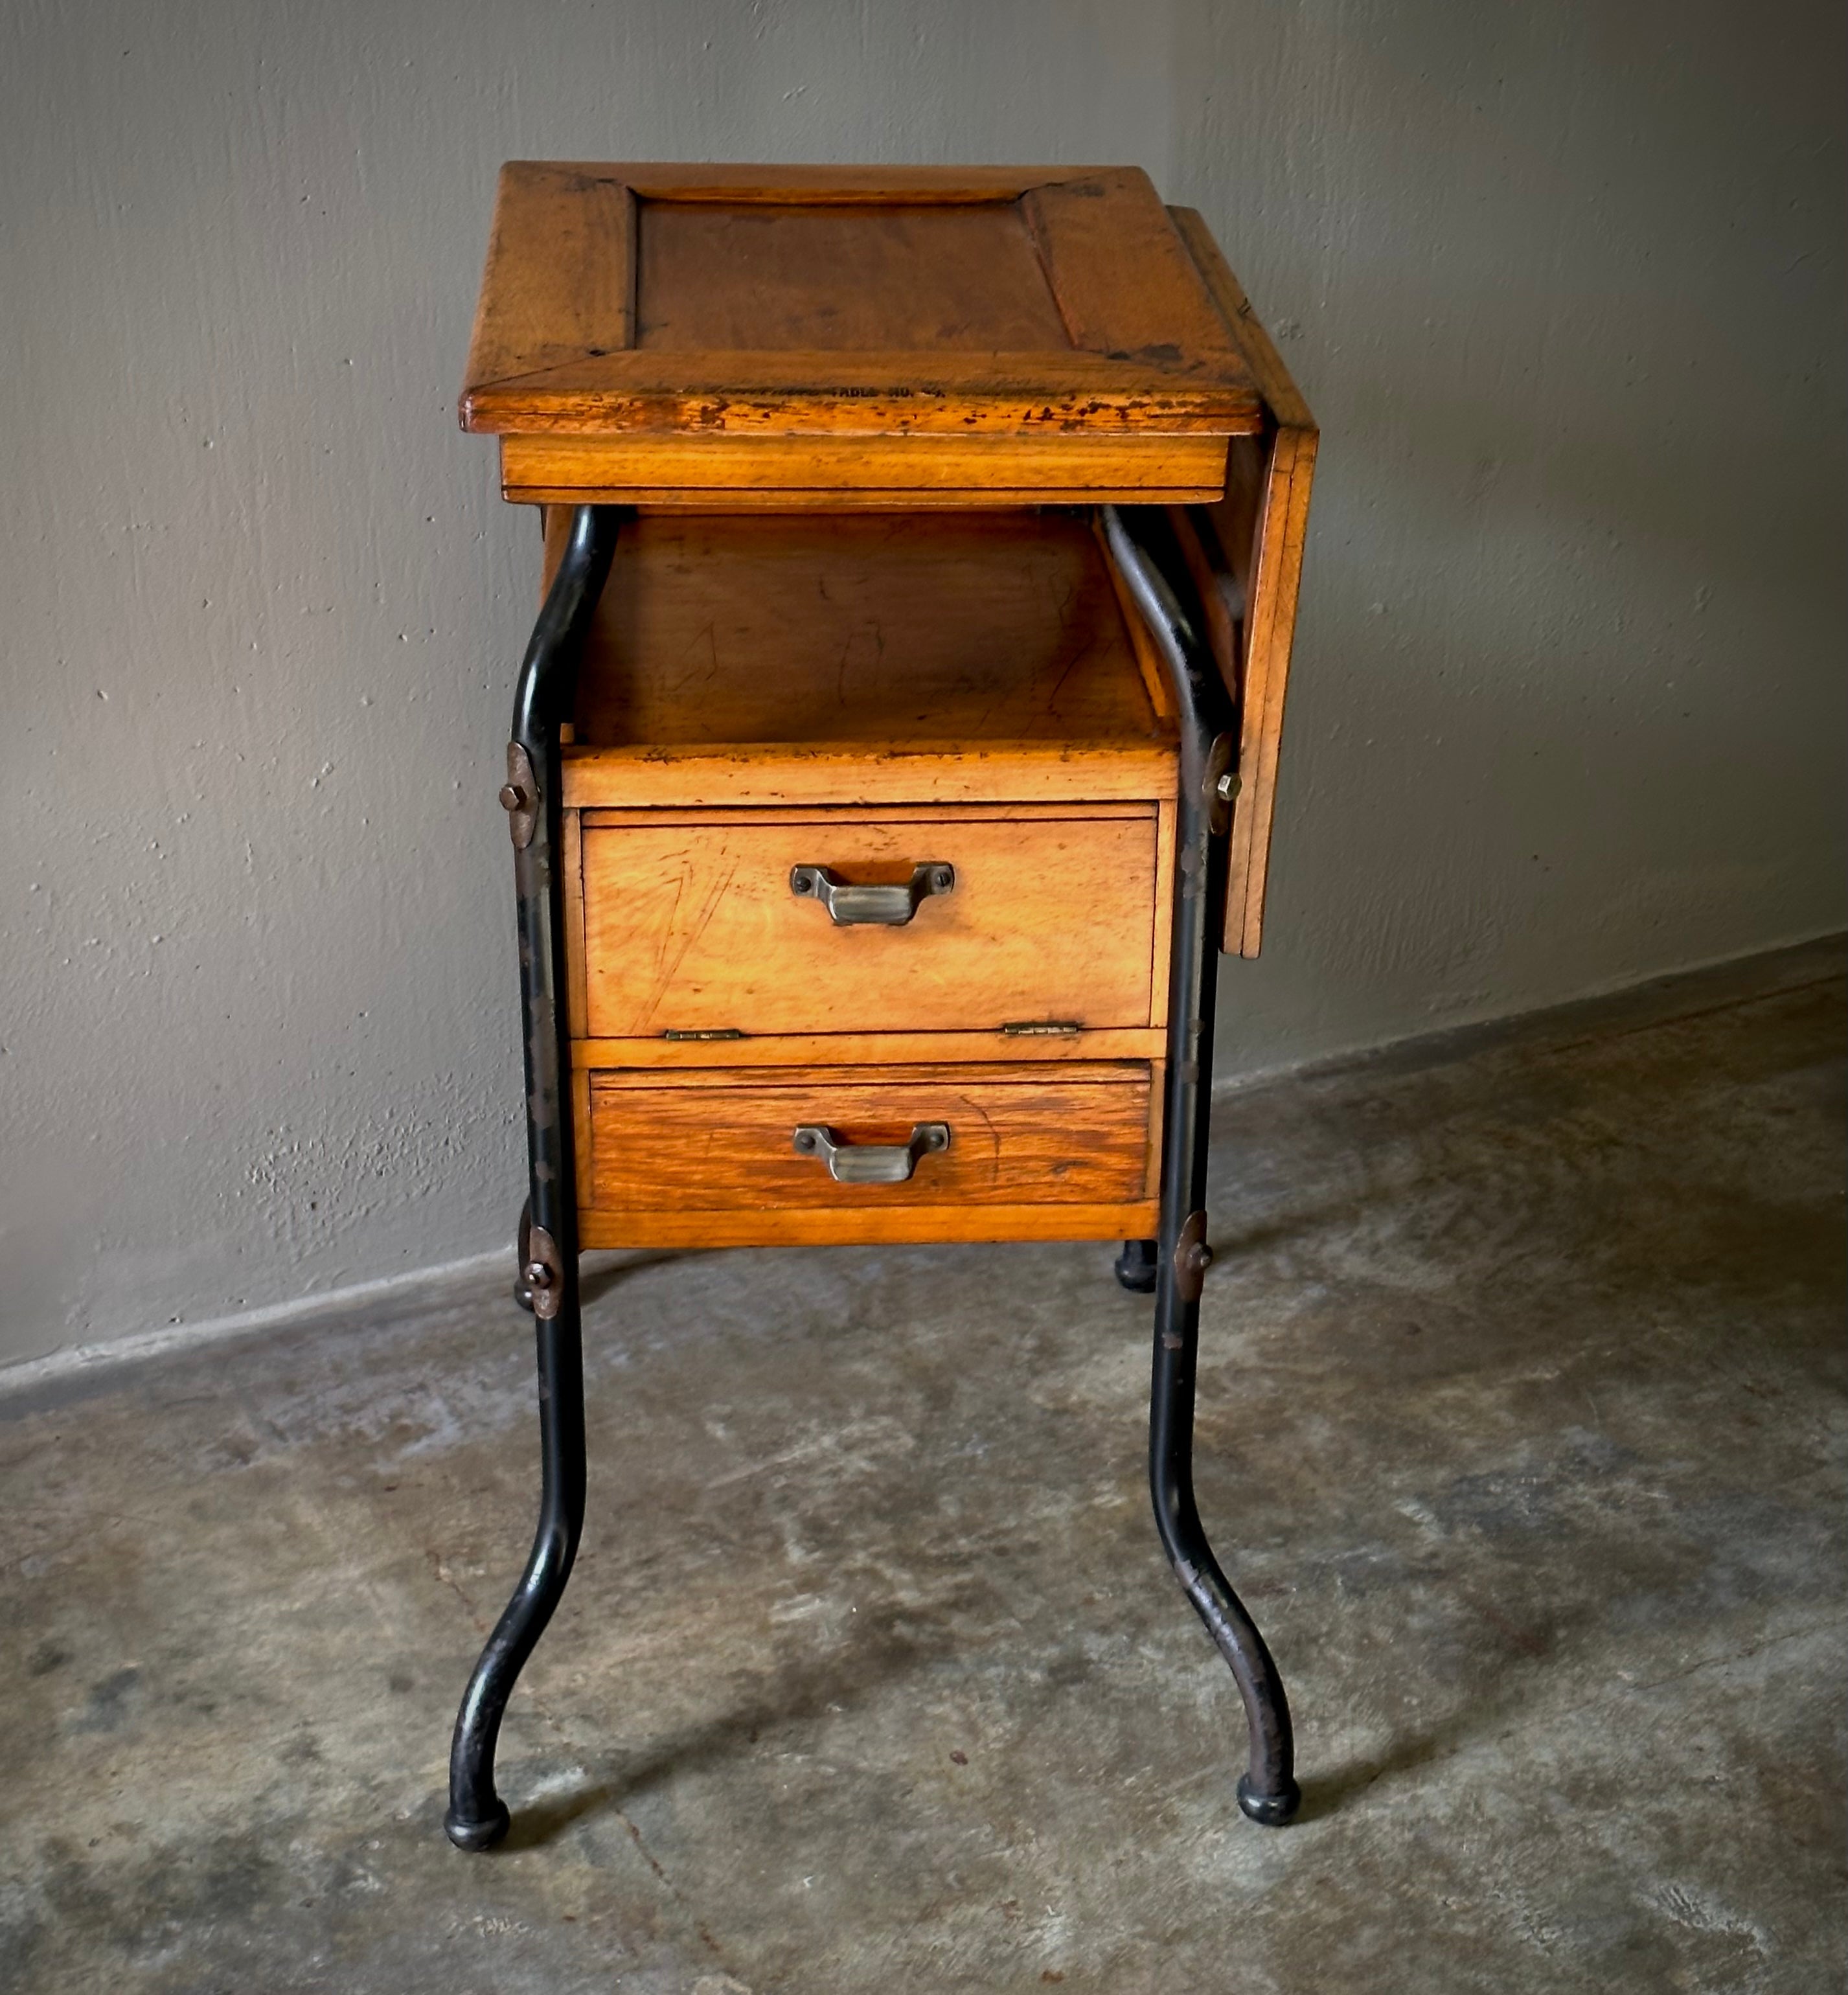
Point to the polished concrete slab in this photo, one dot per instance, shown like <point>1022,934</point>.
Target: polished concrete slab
<point>1521,1433</point>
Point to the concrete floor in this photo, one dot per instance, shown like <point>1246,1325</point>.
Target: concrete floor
<point>1520,1428</point>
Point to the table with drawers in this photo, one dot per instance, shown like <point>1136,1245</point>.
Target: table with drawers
<point>893,754</point>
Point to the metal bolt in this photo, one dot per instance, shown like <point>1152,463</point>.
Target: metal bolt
<point>1199,1258</point>
<point>513,798</point>
<point>802,884</point>
<point>1226,788</point>
<point>537,1274</point>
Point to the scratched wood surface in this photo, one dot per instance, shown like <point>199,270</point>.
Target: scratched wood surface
<point>821,473</point>
<point>1067,1135</point>
<point>848,776</point>
<point>733,323</point>
<point>845,1226</point>
<point>1105,1042</point>
<point>1247,555</point>
<point>981,627</point>
<point>691,925</point>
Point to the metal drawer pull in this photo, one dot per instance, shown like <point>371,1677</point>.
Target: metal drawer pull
<point>870,1163</point>
<point>890,907</point>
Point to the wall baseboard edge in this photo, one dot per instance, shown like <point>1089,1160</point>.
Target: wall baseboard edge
<point>59,1366</point>
<point>1759,973</point>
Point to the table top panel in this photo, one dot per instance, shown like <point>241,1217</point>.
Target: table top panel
<point>632,299</point>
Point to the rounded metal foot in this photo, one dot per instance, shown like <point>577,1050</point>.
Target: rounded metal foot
<point>482,1834</point>
<point>1268,1811</point>
<point>1135,1267</point>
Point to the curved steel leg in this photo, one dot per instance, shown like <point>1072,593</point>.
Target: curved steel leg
<point>477,1817</point>
<point>1142,542</point>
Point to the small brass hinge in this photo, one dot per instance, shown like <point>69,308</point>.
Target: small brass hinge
<point>723,1032</point>
<point>1042,1028</point>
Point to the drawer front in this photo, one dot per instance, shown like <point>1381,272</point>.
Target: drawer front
<point>690,924</point>
<point>1073,1134</point>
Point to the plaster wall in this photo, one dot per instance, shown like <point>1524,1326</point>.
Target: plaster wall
<point>1563,284</point>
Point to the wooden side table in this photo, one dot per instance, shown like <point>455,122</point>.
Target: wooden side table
<point>894,751</point>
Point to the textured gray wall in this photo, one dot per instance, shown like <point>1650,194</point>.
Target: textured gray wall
<point>1563,284</point>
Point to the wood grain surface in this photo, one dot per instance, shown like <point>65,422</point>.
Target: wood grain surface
<point>1131,1043</point>
<point>732,304</point>
<point>808,473</point>
<point>1075,1135</point>
<point>691,926</point>
<point>1251,557</point>
<point>968,627</point>
<point>843,1226</point>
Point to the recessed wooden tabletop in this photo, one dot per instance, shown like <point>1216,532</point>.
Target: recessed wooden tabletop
<point>623,300</point>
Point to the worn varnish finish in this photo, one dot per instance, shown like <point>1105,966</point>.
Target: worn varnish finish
<point>902,471</point>
<point>869,630</point>
<point>690,924</point>
<point>661,334</point>
<point>890,796</point>
<point>845,776</point>
<point>715,1138</point>
<point>1247,554</point>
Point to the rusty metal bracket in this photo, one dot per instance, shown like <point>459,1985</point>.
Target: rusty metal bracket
<point>1192,1258</point>
<point>545,1274</point>
<point>519,796</point>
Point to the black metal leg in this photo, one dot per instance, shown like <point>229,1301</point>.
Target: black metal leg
<point>477,1817</point>
<point>523,1255</point>
<point>1135,1267</point>
<point>1142,542</point>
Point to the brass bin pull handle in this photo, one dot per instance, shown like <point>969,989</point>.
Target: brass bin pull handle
<point>870,1163</point>
<point>889,907</point>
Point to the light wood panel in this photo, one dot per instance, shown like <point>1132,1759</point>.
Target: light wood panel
<point>970,627</point>
<point>1166,824</point>
<point>692,927</point>
<point>559,282</point>
<point>931,277</point>
<point>775,392</point>
<point>1250,560</point>
<point>837,1050</point>
<point>726,305</point>
<point>571,859</point>
<point>1124,284</point>
<point>840,1227</point>
<point>1075,1135</point>
<point>808,473</point>
<point>941,772</point>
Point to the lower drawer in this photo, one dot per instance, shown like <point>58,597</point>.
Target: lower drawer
<point>1044,1150</point>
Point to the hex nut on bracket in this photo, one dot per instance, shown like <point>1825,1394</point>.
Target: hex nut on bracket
<point>1192,1258</point>
<point>544,1273</point>
<point>1221,782</point>
<point>519,796</point>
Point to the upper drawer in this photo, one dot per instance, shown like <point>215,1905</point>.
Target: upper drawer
<point>692,923</point>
